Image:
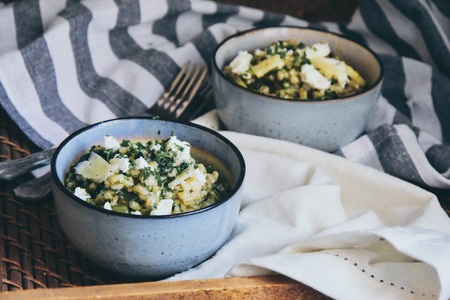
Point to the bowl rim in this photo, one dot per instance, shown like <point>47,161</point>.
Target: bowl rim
<point>61,187</point>
<point>301,28</point>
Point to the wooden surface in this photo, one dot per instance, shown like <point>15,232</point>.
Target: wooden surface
<point>266,287</point>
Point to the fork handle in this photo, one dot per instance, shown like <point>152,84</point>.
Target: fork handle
<point>11,169</point>
<point>34,189</point>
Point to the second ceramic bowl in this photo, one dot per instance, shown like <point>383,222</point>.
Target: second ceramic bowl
<point>326,124</point>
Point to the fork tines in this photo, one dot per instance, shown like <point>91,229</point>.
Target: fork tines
<point>201,102</point>
<point>181,92</point>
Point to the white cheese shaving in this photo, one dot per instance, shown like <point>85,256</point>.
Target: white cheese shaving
<point>81,193</point>
<point>119,164</point>
<point>95,168</point>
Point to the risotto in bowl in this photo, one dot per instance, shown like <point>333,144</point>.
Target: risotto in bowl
<point>147,198</point>
<point>304,85</point>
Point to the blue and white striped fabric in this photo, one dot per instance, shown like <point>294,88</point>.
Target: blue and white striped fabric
<point>64,65</point>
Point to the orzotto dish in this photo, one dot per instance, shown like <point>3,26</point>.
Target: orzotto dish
<point>156,177</point>
<point>291,70</point>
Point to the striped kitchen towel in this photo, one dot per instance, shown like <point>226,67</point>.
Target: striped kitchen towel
<point>66,64</point>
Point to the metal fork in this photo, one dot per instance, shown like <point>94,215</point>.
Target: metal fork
<point>178,103</point>
<point>174,102</point>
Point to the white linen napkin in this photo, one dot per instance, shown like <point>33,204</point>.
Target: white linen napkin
<point>348,231</point>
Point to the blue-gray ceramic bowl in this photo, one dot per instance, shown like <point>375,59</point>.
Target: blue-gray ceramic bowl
<point>327,124</point>
<point>148,246</point>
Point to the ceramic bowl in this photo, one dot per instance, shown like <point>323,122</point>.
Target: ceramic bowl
<point>326,124</point>
<point>148,246</point>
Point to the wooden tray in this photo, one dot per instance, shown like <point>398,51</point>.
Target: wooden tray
<point>268,287</point>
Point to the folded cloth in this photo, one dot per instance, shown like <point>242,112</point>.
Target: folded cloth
<point>66,64</point>
<point>347,230</point>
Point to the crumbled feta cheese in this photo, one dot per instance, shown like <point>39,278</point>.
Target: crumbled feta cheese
<point>241,63</point>
<point>164,207</point>
<point>314,78</point>
<point>95,168</point>
<point>317,50</point>
<point>107,206</point>
<point>110,142</point>
<point>141,163</point>
<point>81,193</point>
<point>156,147</point>
<point>341,72</point>
<point>181,177</point>
<point>136,212</point>
<point>199,176</point>
<point>119,164</point>
<point>182,150</point>
<point>332,68</point>
<point>150,181</point>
